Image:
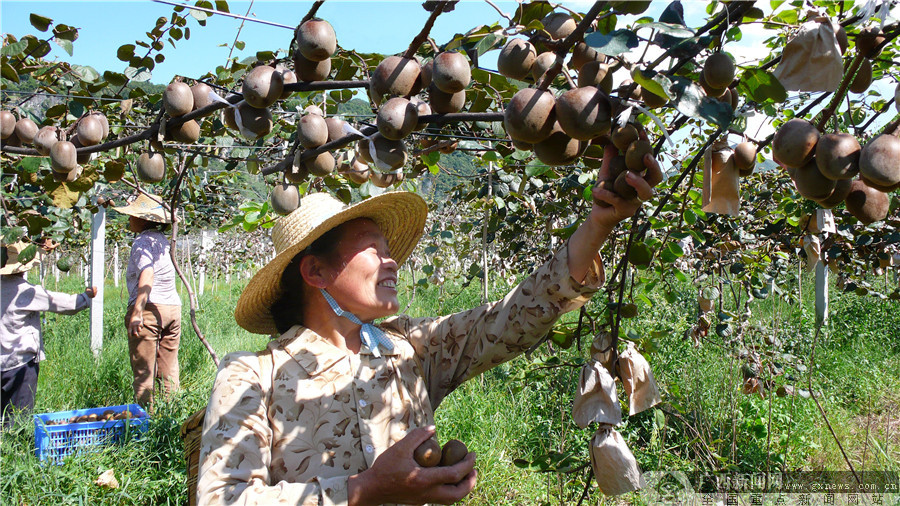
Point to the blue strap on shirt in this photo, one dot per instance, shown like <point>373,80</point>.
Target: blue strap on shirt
<point>370,335</point>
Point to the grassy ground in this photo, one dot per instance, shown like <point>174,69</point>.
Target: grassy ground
<point>515,412</point>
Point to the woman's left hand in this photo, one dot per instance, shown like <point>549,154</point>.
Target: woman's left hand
<point>620,209</point>
<point>134,324</point>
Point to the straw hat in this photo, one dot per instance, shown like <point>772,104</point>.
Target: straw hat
<point>150,208</point>
<point>11,263</point>
<point>399,215</point>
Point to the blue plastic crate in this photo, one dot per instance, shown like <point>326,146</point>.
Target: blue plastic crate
<point>54,442</point>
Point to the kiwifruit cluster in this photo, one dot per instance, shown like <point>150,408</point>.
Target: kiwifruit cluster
<point>716,78</point>
<point>823,167</point>
<point>94,417</point>
<point>430,453</point>
<point>315,42</point>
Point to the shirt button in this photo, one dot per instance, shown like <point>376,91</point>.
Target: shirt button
<point>370,448</point>
<point>362,403</point>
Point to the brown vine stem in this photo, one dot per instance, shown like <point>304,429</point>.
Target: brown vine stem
<point>884,108</point>
<point>891,127</point>
<point>842,90</point>
<point>173,208</point>
<point>765,142</point>
<point>312,12</point>
<point>419,39</point>
<point>567,44</point>
<point>812,394</point>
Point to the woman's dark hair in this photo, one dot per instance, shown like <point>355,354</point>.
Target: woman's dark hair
<point>287,310</point>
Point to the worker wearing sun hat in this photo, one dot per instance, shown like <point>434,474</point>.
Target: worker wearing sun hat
<point>332,411</point>
<point>153,317</point>
<point>20,326</point>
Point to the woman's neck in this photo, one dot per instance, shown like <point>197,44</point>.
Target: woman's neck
<point>321,319</point>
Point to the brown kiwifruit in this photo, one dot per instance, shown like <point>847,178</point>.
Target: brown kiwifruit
<point>200,92</point>
<point>313,109</point>
<point>584,113</point>
<point>294,170</point>
<point>188,132</point>
<point>445,103</point>
<point>397,118</point>
<point>542,64</point>
<point>428,454</point>
<point>841,190</point>
<point>316,39</point>
<point>596,73</point>
<point>868,40</point>
<point>652,100</point>
<point>867,204</point>
<point>841,35</point>
<point>395,76</point>
<point>391,154</point>
<point>425,72</point>
<point>312,131</point>
<point>450,72</point>
<point>559,148</point>
<point>516,59</point>
<point>45,138</point>
<point>82,157</point>
<point>745,158</point>
<point>616,167</point>
<point>530,115</point>
<point>726,98</point>
<point>453,452</point>
<point>308,70</point>
<point>7,124</point>
<point>524,146</point>
<point>288,76</point>
<point>385,179</point>
<point>558,25</point>
<point>151,167</point>
<point>810,183</point>
<point>583,53</point>
<point>178,99</point>
<point>863,78</point>
<point>794,143</point>
<point>26,129</point>
<point>879,161</point>
<point>67,177</point>
<point>63,157</point>
<point>89,130</point>
<point>622,137</point>
<point>622,188</point>
<point>718,70</point>
<point>423,108</point>
<point>634,155</point>
<point>257,122</point>
<point>628,90</point>
<point>320,165</point>
<point>357,171</point>
<point>837,156</point>
<point>262,86</point>
<point>285,198</point>
<point>335,128</point>
<point>709,90</point>
<point>104,123</point>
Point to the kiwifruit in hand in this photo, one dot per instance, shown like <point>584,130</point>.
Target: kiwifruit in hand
<point>542,64</point>
<point>794,143</point>
<point>559,148</point>
<point>285,198</point>
<point>634,155</point>
<point>811,183</point>
<point>309,70</point>
<point>25,130</point>
<point>446,103</point>
<point>262,86</point>
<point>453,451</point>
<point>312,131</point>
<point>530,115</point>
<point>335,128</point>
<point>389,152</point>
<point>357,171</point>
<point>316,39</point>
<point>288,76</point>
<point>200,93</point>
<point>7,124</point>
<point>188,132</point>
<point>616,167</point>
<point>321,164</point>
<point>863,78</point>
<point>622,188</point>
<point>45,138</point>
<point>395,76</point>
<point>745,158</point>
<point>596,73</point>
<point>151,167</point>
<point>428,454</point>
<point>450,72</point>
<point>397,118</point>
<point>879,161</point>
<point>584,113</point>
<point>516,59</point>
<point>423,108</point>
<point>841,190</point>
<point>63,157</point>
<point>837,156</point>
<point>718,70</point>
<point>622,137</point>
<point>178,99</point>
<point>867,40</point>
<point>558,25</point>
<point>583,53</point>
<point>385,179</point>
<point>867,204</point>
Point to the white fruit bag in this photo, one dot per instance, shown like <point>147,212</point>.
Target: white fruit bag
<point>595,400</point>
<point>614,466</point>
<point>721,180</point>
<point>638,381</point>
<point>811,61</point>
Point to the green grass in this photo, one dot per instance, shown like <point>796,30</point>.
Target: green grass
<point>516,412</point>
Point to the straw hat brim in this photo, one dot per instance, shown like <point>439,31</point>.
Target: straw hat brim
<point>400,216</point>
<point>15,267</point>
<point>146,208</point>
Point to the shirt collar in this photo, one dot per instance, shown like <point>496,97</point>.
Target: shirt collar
<point>315,354</point>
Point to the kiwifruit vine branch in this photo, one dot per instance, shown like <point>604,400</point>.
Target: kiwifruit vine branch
<point>312,12</point>
<point>567,44</point>
<point>419,39</point>
<point>842,90</point>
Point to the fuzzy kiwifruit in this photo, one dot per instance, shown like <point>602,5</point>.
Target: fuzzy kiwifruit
<point>868,40</point>
<point>709,90</point>
<point>390,153</point>
<point>423,108</point>
<point>321,164</point>
<point>879,161</point>
<point>622,137</point>
<point>450,72</point>
<point>863,78</point>
<point>718,70</point>
<point>794,143</point>
<point>178,99</point>
<point>89,130</point>
<point>288,76</point>
<point>745,158</point>
<point>7,124</point>
<point>316,39</point>
<point>530,115</point>
<point>558,25</point>
<point>584,113</point>
<point>841,35</point>
<point>309,70</point>
<point>542,64</point>
<point>453,451</point>
<point>652,100</point>
<point>335,128</point>
<point>151,167</point>
<point>312,131</point>
<point>188,132</point>
<point>63,157</point>
<point>262,86</point>
<point>26,129</point>
<point>428,454</point>
<point>559,148</point>
<point>82,157</point>
<point>395,76</point>
<point>583,53</point>
<point>45,138</point>
<point>357,171</point>
<point>811,183</point>
<point>634,155</point>
<point>867,204</point>
<point>67,177</point>
<point>285,198</point>
<point>837,156</point>
<point>596,73</point>
<point>841,190</point>
<point>200,92</point>
<point>397,118</point>
<point>445,103</point>
<point>256,122</point>
<point>622,188</point>
<point>385,179</point>
<point>425,72</point>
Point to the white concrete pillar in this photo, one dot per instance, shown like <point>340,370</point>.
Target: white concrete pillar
<point>98,274</point>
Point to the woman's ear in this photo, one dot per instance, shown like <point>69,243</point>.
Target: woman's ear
<point>315,272</point>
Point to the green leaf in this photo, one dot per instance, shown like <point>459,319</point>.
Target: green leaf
<point>40,22</point>
<point>673,30</point>
<point>27,254</point>
<point>690,217</point>
<point>8,72</point>
<point>655,83</point>
<point>65,44</point>
<point>125,52</point>
<point>535,168</point>
<point>56,111</point>
<point>76,108</point>
<point>85,73</point>
<point>14,49</point>
<point>761,87</point>
<point>691,101</point>
<point>488,42</point>
<point>13,234</point>
<point>222,6</point>
<point>139,74</point>
<point>639,255</point>
<point>199,15</point>
<point>616,43</point>
<point>32,164</point>
<point>265,55</point>
<point>240,45</point>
